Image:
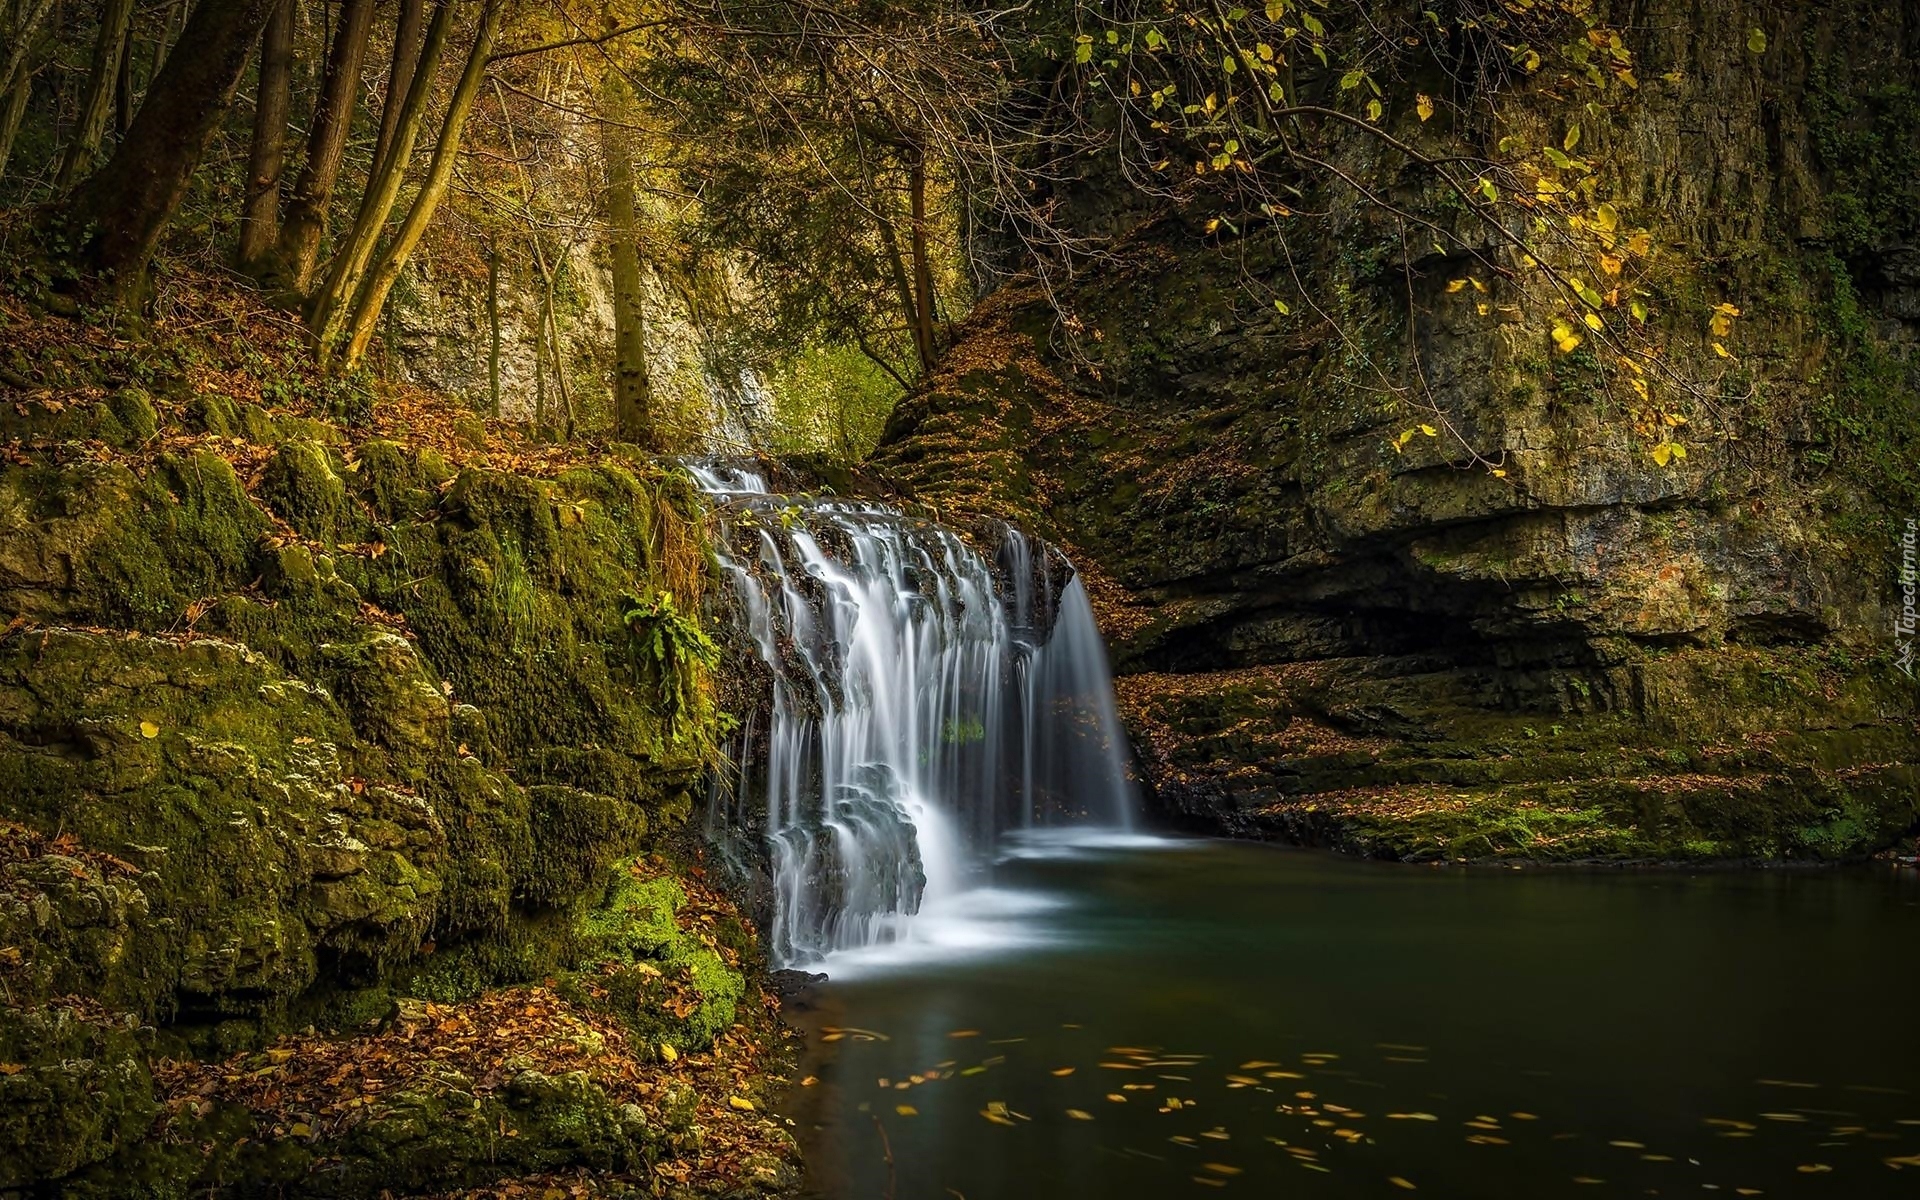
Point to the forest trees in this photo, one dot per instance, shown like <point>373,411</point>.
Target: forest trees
<point>820,180</point>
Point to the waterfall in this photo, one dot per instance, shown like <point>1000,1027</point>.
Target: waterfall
<point>924,700</point>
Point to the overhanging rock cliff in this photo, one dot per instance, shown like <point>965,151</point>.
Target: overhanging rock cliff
<point>1583,655</point>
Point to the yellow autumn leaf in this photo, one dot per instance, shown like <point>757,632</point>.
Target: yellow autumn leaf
<point>1429,431</point>
<point>1610,264</point>
<point>740,1103</point>
<point>1424,106</point>
<point>669,1053</point>
<point>1662,453</point>
<point>906,1110</point>
<point>1594,322</point>
<point>1456,285</point>
<point>1079,1114</point>
<point>1722,351</point>
<point>1565,338</point>
<point>1607,218</point>
<point>149,730</point>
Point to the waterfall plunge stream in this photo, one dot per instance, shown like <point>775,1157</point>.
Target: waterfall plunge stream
<point>925,702</point>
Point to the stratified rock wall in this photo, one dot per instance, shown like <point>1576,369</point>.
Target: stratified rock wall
<point>1521,636</point>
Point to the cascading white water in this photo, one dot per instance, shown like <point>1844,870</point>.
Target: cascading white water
<point>920,707</point>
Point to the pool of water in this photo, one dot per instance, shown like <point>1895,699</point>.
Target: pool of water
<point>1136,1018</point>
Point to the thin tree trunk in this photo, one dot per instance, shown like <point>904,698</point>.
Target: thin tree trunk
<point>382,276</point>
<point>260,219</point>
<point>96,107</point>
<point>305,223</point>
<point>924,335</point>
<point>632,390</point>
<point>902,284</point>
<point>164,42</point>
<point>130,199</point>
<point>123,90</point>
<point>10,116</point>
<point>549,319</point>
<point>409,28</point>
<point>493,325</point>
<point>21,40</point>
<point>327,312</point>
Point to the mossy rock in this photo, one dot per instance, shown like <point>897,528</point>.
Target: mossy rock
<point>76,1090</point>
<point>303,484</point>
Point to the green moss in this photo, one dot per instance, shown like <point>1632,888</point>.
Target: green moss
<point>638,956</point>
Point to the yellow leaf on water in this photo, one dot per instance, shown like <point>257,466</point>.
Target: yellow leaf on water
<point>964,1033</point>
<point>1116,1097</point>
<point>1064,1071</point>
<point>1412,1116</point>
<point>1398,1182</point>
<point>1079,1114</point>
<point>1221,1168</point>
<point>906,1110</point>
<point>149,730</point>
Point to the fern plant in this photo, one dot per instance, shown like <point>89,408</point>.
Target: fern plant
<point>674,655</point>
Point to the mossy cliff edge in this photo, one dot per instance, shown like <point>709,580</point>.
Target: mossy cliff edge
<point>1589,654</point>
<point>320,748</point>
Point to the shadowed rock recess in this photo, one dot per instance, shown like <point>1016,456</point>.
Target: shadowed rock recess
<point>1593,657</point>
<point>303,765</point>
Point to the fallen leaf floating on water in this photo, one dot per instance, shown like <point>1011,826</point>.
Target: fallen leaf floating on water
<point>1412,1116</point>
<point>1257,1065</point>
<point>964,1033</point>
<point>1221,1168</point>
<point>1813,1168</point>
<point>1399,1182</point>
<point>1079,1114</point>
<point>1064,1071</point>
<point>906,1110</point>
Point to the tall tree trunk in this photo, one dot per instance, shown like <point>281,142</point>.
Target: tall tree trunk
<point>924,336</point>
<point>327,311</point>
<point>305,223</point>
<point>632,390</point>
<point>22,39</point>
<point>96,105</point>
<point>383,274</point>
<point>408,29</point>
<point>260,219</point>
<point>493,325</point>
<point>163,42</point>
<point>11,112</point>
<point>130,199</point>
<point>123,90</point>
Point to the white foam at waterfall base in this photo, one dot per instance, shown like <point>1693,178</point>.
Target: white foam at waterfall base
<point>917,713</point>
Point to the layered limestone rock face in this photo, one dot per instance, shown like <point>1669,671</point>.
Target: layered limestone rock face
<point>306,743</point>
<point>1589,654</point>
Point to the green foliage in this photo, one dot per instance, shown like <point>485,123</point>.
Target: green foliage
<point>830,400</point>
<point>677,657</point>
